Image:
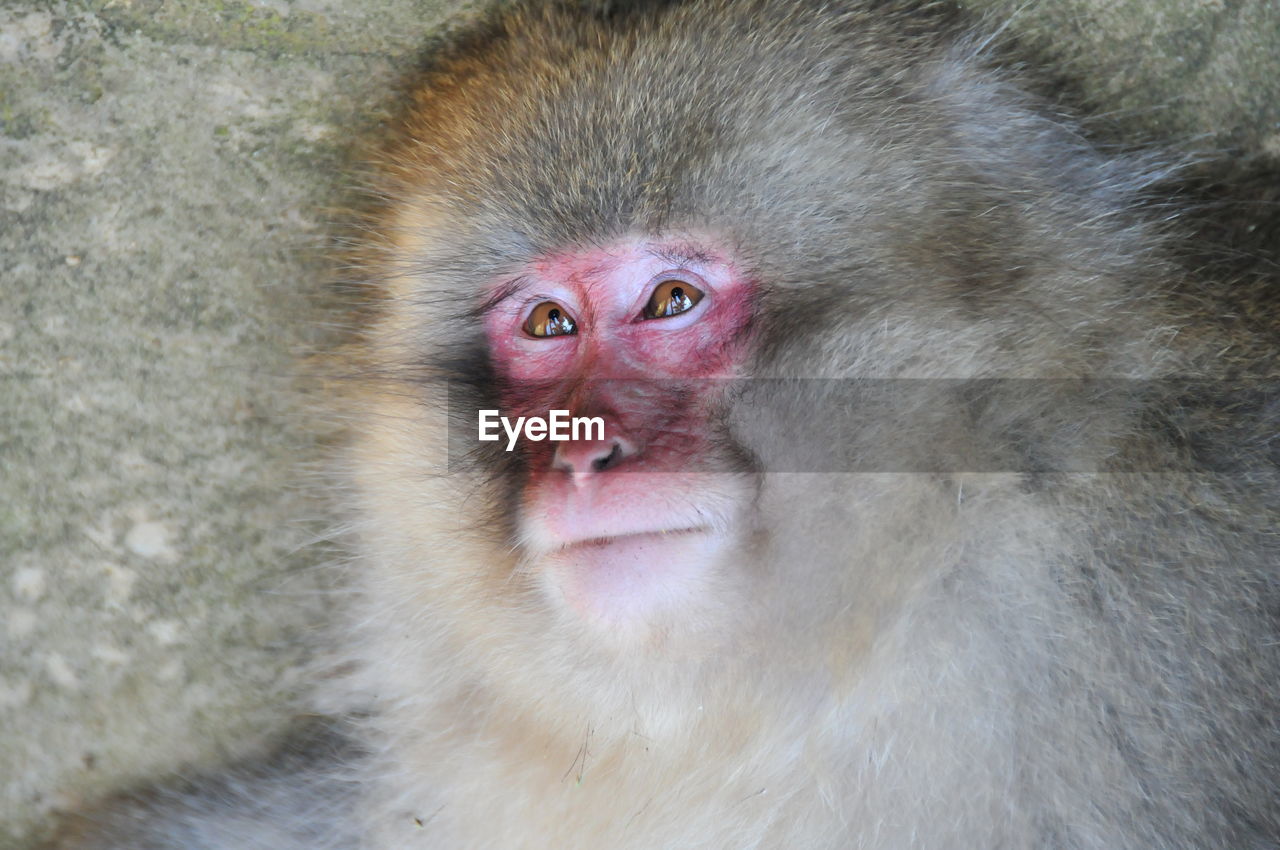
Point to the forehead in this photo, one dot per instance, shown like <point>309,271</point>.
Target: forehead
<point>569,130</point>
<point>613,271</point>
<point>596,260</point>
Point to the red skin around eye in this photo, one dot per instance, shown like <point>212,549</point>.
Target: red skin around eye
<point>605,290</point>
<point>615,546</point>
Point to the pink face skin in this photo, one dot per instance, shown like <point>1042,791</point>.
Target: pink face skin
<point>633,525</point>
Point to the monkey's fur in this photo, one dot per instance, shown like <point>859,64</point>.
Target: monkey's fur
<point>1033,656</point>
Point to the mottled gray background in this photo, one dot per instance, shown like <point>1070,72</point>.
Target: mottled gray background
<point>164,170</point>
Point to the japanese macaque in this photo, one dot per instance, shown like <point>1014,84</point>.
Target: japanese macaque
<point>911,508</point>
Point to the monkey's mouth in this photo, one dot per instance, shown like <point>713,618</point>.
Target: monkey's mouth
<point>631,578</point>
<point>629,536</point>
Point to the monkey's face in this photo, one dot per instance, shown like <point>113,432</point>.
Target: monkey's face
<point>628,227</point>
<point>633,516</point>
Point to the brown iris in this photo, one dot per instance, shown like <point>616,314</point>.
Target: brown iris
<point>671,298</point>
<point>550,319</point>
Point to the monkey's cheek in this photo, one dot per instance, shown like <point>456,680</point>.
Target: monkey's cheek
<point>634,581</point>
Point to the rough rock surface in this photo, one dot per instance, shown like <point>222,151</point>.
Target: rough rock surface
<point>1199,75</point>
<point>165,169</point>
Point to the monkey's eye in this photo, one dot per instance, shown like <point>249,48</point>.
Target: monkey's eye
<point>550,319</point>
<point>670,298</point>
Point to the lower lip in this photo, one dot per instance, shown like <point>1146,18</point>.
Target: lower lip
<point>634,576</point>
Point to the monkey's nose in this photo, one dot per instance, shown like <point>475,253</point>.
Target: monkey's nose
<point>587,456</point>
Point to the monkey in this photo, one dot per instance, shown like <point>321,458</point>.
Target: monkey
<point>933,502</point>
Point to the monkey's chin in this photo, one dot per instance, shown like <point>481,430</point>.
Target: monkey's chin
<point>633,580</point>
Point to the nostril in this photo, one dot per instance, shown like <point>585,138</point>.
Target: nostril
<point>600,464</point>
<point>590,457</point>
